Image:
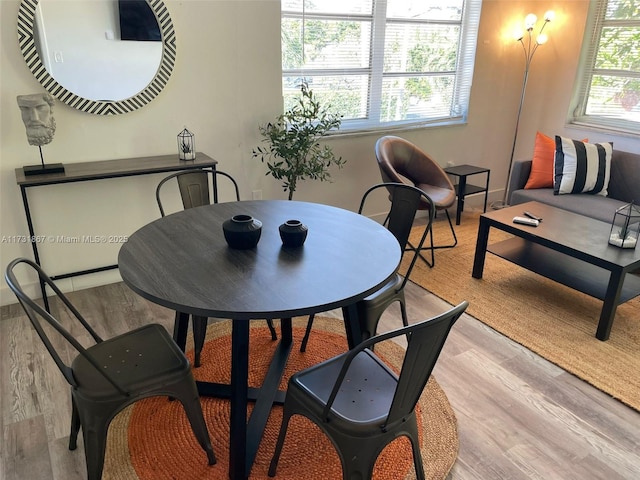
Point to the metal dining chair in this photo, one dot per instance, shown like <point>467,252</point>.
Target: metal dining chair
<point>400,160</point>
<point>111,374</point>
<point>197,188</point>
<point>405,201</point>
<point>360,403</point>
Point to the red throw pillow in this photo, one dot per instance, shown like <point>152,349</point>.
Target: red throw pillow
<point>541,175</point>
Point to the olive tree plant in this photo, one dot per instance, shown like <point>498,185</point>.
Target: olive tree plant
<point>292,151</point>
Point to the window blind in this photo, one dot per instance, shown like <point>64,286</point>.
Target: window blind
<point>382,63</point>
<point>607,91</point>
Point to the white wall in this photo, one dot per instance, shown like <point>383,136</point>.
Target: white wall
<point>226,82</point>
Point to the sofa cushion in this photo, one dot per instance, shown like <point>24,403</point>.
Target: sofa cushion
<point>581,167</point>
<point>594,206</point>
<point>624,187</point>
<point>624,182</point>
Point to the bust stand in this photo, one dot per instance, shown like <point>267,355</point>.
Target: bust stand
<point>43,169</point>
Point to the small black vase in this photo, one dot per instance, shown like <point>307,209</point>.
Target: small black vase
<point>293,233</point>
<point>242,231</point>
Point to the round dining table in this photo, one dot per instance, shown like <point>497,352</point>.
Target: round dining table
<point>183,262</point>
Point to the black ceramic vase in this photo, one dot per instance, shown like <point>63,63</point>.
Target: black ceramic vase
<point>242,231</point>
<point>293,233</point>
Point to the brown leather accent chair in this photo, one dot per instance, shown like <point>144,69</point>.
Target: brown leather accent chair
<point>401,161</point>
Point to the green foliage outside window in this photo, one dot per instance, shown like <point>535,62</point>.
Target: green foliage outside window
<point>385,64</point>
<point>619,51</point>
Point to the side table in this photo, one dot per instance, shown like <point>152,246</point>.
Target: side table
<point>462,189</point>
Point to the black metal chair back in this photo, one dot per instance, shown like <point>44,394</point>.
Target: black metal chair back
<point>406,200</point>
<point>425,342</point>
<point>196,187</point>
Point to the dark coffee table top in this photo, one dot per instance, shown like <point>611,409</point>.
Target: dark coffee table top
<point>183,262</point>
<point>562,230</point>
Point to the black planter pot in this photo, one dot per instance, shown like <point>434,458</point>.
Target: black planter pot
<point>242,231</point>
<point>293,233</point>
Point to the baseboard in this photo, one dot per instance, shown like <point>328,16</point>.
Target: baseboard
<point>8,298</point>
<point>67,285</point>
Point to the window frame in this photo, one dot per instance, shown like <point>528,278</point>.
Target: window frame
<point>577,115</point>
<point>463,76</point>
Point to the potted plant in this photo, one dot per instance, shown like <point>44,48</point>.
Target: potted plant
<point>292,152</point>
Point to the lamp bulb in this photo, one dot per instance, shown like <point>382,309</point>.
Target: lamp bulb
<point>530,21</point>
<point>549,16</point>
<point>518,34</point>
<point>542,39</point>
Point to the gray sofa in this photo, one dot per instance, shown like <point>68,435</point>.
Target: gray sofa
<point>624,187</point>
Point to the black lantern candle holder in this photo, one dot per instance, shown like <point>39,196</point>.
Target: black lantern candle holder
<point>186,145</point>
<point>625,227</point>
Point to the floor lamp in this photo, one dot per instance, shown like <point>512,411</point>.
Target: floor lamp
<point>529,46</point>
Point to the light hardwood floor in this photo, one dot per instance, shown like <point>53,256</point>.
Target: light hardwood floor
<point>519,417</point>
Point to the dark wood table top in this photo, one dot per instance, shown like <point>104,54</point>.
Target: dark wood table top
<point>183,262</point>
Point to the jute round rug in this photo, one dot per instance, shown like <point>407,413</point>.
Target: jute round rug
<point>152,440</point>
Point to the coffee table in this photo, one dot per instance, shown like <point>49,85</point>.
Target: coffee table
<point>568,248</point>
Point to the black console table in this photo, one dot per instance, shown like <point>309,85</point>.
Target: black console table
<point>100,170</point>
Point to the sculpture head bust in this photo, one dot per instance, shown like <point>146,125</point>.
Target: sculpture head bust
<point>37,115</point>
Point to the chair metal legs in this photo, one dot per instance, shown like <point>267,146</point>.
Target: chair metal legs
<point>94,434</point>
<point>199,325</point>
<point>274,335</point>
<point>199,333</point>
<point>357,455</point>
<point>433,247</point>
<point>75,425</point>
<point>190,399</point>
<point>286,416</point>
<point>371,311</point>
<point>307,332</point>
<point>95,417</point>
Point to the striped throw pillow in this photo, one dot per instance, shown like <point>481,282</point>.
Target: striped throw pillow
<point>581,167</point>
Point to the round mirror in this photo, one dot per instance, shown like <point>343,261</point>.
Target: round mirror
<point>99,56</point>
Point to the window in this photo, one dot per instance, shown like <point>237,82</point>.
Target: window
<point>607,92</point>
<point>382,63</point>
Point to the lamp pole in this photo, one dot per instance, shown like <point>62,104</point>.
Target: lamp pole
<point>529,51</point>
